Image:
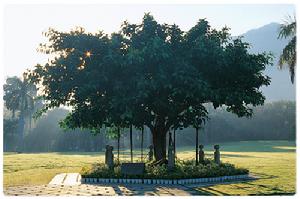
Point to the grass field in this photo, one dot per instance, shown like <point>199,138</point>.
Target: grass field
<point>273,161</point>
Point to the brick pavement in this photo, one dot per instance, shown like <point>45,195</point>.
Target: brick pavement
<point>99,190</point>
<point>69,184</point>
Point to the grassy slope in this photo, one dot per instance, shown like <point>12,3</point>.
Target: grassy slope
<point>273,161</point>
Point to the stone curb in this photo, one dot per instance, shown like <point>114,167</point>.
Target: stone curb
<point>165,181</point>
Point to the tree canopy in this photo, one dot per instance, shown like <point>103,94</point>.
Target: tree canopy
<point>288,56</point>
<point>19,95</point>
<point>149,74</point>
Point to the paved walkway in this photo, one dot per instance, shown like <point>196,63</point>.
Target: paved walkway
<point>66,179</point>
<point>70,184</point>
<point>99,190</point>
<point>65,184</point>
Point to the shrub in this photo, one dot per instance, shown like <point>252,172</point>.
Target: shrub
<point>183,169</point>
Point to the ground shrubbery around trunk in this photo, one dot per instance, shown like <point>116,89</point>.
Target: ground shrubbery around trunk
<point>183,169</point>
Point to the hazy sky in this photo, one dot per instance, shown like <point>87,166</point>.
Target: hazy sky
<point>24,24</point>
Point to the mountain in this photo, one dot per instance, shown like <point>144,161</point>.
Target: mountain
<point>265,39</point>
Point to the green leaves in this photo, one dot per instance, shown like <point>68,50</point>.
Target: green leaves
<point>288,56</point>
<point>149,74</point>
<point>19,95</point>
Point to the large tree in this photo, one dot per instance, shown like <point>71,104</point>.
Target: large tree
<point>149,74</point>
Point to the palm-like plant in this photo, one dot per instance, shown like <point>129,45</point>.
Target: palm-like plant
<point>19,97</point>
<point>288,56</point>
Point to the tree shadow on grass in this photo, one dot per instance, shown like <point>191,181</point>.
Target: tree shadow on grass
<point>273,194</point>
<point>258,176</point>
<point>270,189</point>
<point>209,191</point>
<point>247,187</point>
<point>238,156</point>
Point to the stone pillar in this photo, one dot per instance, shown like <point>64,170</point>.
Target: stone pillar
<point>217,154</point>
<point>110,157</point>
<point>151,153</point>
<point>201,154</point>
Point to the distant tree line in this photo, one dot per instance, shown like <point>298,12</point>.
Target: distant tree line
<point>273,121</point>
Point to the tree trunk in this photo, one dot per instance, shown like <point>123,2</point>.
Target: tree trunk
<point>118,145</point>
<point>30,120</point>
<point>159,136</point>
<point>174,142</point>
<point>197,144</point>
<point>131,153</point>
<point>21,133</point>
<point>170,139</point>
<point>142,144</point>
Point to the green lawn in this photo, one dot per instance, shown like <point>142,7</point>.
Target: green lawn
<point>273,161</point>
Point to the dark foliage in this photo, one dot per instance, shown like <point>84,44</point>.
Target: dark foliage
<point>183,169</point>
<point>149,74</point>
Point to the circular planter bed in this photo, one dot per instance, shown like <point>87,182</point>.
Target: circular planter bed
<point>166,181</point>
<point>185,172</point>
